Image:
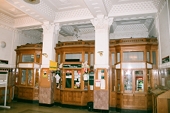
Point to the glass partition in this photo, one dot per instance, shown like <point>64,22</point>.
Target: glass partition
<point>118,57</point>
<point>118,76</point>
<point>154,57</point>
<point>23,76</point>
<point>127,80</point>
<point>148,56</point>
<point>139,80</point>
<point>77,79</point>
<point>30,77</point>
<point>27,58</point>
<point>73,57</point>
<point>37,77</point>
<point>133,56</point>
<point>68,79</point>
<point>113,79</point>
<point>58,59</point>
<point>86,57</point>
<point>91,59</point>
<point>113,58</point>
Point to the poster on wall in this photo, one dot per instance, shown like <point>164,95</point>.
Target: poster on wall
<point>53,65</point>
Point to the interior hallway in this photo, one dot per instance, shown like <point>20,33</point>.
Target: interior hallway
<point>21,107</point>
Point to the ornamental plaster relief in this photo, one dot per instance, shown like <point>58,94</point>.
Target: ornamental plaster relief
<point>6,19</point>
<point>135,34</point>
<point>77,14</point>
<point>6,27</point>
<point>131,28</point>
<point>132,8</point>
<point>67,38</point>
<point>158,3</point>
<point>108,4</point>
<point>26,21</point>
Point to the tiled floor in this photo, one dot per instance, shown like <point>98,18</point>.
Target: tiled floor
<point>20,107</point>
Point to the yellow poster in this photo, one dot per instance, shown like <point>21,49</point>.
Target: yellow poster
<point>53,65</point>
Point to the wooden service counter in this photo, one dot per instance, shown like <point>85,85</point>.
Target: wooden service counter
<point>75,59</point>
<point>132,73</point>
<point>28,63</point>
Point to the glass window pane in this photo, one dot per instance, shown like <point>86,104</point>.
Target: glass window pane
<point>154,57</point>
<point>37,78</point>
<point>118,57</point>
<point>27,58</point>
<point>59,59</point>
<point>132,56</point>
<point>73,57</point>
<point>86,57</point>
<point>91,59</point>
<point>118,75</point>
<point>30,77</point>
<point>128,80</point>
<point>148,56</point>
<point>77,79</point>
<point>139,80</point>
<point>68,79</point>
<point>113,58</point>
<point>113,79</point>
<point>23,77</point>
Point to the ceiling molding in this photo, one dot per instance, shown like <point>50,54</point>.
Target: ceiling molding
<point>41,12</point>
<point>6,19</point>
<point>96,7</point>
<point>25,22</point>
<point>4,26</point>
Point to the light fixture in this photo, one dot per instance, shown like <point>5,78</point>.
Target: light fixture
<point>100,53</point>
<point>32,1</point>
<point>45,54</point>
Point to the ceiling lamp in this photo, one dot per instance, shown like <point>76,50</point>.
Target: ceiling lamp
<point>32,1</point>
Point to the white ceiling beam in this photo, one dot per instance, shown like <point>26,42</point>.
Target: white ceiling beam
<point>96,7</point>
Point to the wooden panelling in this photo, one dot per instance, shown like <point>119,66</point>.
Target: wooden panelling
<point>74,97</point>
<point>134,101</point>
<point>112,99</point>
<point>27,93</point>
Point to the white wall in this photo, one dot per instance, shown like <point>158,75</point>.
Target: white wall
<point>6,53</point>
<point>164,32</point>
<point>13,38</point>
<point>164,37</point>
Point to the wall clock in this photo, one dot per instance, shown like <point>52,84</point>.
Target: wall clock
<point>3,44</point>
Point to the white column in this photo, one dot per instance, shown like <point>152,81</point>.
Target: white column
<point>102,28</point>
<point>50,38</point>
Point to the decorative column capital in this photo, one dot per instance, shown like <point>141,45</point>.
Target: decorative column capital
<point>102,22</point>
<point>57,27</point>
<point>48,27</point>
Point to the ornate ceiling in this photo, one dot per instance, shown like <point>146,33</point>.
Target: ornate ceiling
<point>131,18</point>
